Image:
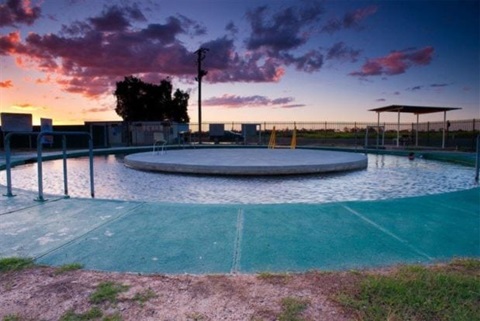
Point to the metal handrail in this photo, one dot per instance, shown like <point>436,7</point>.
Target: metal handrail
<point>40,159</point>
<point>477,161</point>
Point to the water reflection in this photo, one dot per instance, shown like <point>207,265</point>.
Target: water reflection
<point>386,177</point>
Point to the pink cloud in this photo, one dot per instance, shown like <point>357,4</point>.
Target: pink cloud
<point>9,43</point>
<point>98,110</point>
<point>87,57</point>
<point>27,107</point>
<point>88,60</point>
<point>395,63</point>
<point>6,84</point>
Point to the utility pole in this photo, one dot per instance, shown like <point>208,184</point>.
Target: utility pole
<point>200,73</point>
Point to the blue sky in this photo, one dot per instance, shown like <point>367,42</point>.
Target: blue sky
<point>269,60</point>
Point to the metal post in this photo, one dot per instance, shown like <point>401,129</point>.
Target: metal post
<point>6,141</point>
<point>90,155</point>
<point>366,137</point>
<point>355,131</point>
<point>398,129</point>
<point>428,133</point>
<point>200,74</point>
<point>378,129</point>
<point>65,178</point>
<point>416,133</point>
<point>383,135</point>
<point>39,168</point>
<point>443,131</point>
<point>477,161</point>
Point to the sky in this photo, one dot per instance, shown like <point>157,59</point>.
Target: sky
<point>267,60</point>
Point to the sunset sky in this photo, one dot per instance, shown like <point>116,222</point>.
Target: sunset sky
<point>268,60</point>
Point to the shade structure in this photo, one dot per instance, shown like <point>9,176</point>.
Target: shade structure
<point>417,110</point>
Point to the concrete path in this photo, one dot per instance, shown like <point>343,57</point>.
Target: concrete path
<point>184,238</point>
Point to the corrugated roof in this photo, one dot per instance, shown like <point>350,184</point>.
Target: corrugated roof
<point>413,109</point>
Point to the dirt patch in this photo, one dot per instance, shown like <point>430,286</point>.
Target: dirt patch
<point>42,294</point>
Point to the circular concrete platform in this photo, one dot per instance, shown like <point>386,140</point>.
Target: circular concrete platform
<point>247,161</point>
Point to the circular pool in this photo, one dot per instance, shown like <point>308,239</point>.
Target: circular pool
<point>385,177</point>
<point>247,161</point>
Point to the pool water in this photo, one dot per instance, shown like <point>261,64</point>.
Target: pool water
<point>386,177</point>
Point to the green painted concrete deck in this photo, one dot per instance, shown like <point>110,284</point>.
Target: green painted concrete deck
<point>185,238</point>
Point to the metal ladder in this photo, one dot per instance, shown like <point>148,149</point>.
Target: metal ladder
<point>40,197</point>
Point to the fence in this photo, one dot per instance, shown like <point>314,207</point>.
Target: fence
<point>459,134</point>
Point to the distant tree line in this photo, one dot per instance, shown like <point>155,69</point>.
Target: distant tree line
<point>141,101</point>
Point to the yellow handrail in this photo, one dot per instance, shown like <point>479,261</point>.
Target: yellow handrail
<point>271,143</point>
<point>293,144</point>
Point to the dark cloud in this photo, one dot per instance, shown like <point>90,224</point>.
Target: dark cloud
<point>350,19</point>
<point>422,87</point>
<point>414,88</point>
<point>224,64</point>
<point>380,99</point>
<point>164,33</point>
<point>395,63</point>
<point>231,28</point>
<point>14,12</point>
<point>233,101</point>
<point>308,62</point>
<point>439,85</point>
<point>114,18</point>
<point>292,106</point>
<point>272,45</point>
<point>340,51</point>
<point>248,69</point>
<point>284,30</point>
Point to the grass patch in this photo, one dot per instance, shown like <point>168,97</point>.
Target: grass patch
<point>195,317</point>
<point>93,314</point>
<point>292,309</point>
<point>142,297</point>
<point>107,292</point>
<point>11,317</point>
<point>113,317</point>
<point>274,278</point>
<point>68,267</point>
<point>468,265</point>
<point>15,264</point>
<point>417,293</point>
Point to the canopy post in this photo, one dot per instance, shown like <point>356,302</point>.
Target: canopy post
<point>416,132</point>
<point>443,131</point>
<point>398,128</point>
<point>378,129</point>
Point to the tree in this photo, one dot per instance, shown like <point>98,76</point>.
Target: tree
<point>140,101</point>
